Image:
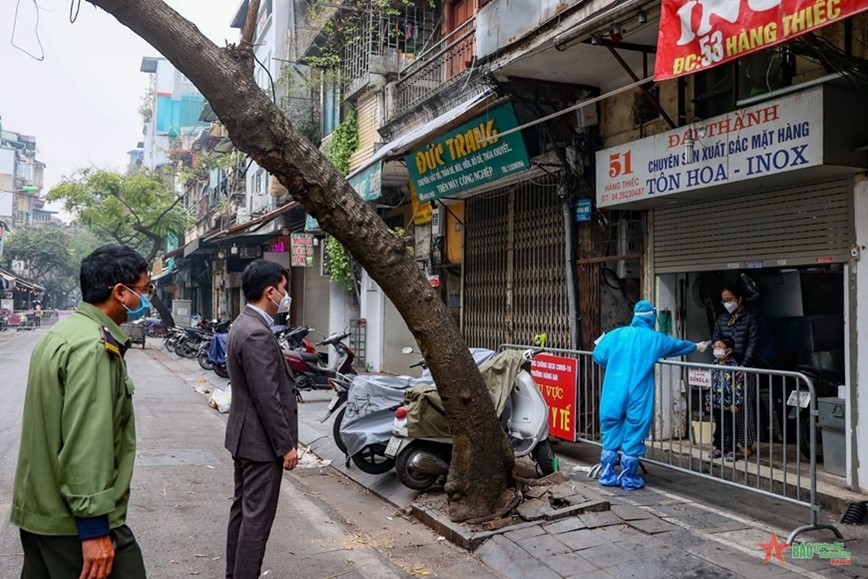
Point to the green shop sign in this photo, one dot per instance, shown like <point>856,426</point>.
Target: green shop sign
<point>469,156</point>
<point>368,183</point>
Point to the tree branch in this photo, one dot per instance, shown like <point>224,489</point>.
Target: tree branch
<point>165,212</point>
<point>249,30</point>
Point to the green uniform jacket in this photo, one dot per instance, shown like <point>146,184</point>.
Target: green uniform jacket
<point>78,442</point>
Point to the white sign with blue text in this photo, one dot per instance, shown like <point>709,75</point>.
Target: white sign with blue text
<point>772,137</point>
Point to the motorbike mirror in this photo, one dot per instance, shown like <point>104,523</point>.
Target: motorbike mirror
<point>407,350</point>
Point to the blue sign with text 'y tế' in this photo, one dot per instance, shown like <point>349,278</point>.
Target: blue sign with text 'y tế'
<point>469,156</point>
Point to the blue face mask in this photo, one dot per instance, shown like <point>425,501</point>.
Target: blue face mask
<point>144,305</point>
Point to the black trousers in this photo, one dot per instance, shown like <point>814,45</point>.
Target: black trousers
<point>51,557</point>
<point>724,429</point>
<point>257,489</point>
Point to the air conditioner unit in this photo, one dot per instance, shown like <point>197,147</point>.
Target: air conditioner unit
<point>248,252</point>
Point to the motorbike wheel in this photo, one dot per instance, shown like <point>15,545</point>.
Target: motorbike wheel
<point>221,370</point>
<point>544,456</point>
<point>414,480</point>
<point>372,459</point>
<point>204,362</point>
<point>170,344</point>
<point>187,349</point>
<point>336,430</point>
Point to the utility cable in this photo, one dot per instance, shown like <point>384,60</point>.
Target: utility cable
<point>35,30</point>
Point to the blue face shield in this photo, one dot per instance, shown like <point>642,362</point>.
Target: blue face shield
<point>144,306</point>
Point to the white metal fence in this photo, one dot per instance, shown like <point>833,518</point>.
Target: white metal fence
<point>782,438</point>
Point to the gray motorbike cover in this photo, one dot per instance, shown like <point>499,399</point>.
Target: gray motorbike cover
<point>425,415</point>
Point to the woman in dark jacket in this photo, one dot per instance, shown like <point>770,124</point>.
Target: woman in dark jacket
<point>744,328</point>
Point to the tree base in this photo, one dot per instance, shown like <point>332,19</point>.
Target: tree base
<point>463,512</point>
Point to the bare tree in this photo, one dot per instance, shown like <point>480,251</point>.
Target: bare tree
<point>480,480</point>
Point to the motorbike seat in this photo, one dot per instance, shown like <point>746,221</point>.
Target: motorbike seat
<point>308,357</point>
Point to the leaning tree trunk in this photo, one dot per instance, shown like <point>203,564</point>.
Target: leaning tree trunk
<point>480,480</point>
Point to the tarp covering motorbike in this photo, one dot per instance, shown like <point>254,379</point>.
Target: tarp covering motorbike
<point>371,404</point>
<point>372,401</point>
<point>425,415</point>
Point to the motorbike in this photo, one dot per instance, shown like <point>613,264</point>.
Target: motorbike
<point>311,370</point>
<point>363,424</point>
<point>423,458</point>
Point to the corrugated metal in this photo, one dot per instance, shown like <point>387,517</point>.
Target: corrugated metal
<point>367,113</point>
<point>785,227</point>
<point>316,295</point>
<point>515,285</point>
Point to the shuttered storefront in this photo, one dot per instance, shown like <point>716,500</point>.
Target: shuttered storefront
<point>802,225</point>
<point>514,280</point>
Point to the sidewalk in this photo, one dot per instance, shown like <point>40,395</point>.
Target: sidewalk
<point>678,526</point>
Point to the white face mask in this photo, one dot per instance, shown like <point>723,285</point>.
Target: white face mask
<point>731,306</point>
<point>719,354</point>
<point>283,305</point>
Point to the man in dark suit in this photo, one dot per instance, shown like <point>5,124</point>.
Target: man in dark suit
<point>262,432</point>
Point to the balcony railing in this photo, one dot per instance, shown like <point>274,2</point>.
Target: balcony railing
<point>445,63</point>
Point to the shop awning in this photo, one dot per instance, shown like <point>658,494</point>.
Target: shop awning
<point>177,252</point>
<point>162,275</point>
<point>250,227</point>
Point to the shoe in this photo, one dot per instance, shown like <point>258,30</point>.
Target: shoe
<point>630,481</point>
<point>730,457</point>
<point>608,476</point>
<point>715,454</point>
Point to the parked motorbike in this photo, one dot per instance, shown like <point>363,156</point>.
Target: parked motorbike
<point>421,461</point>
<point>311,370</point>
<point>363,425</point>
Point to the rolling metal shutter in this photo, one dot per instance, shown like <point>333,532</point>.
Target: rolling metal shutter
<point>368,119</point>
<point>514,281</point>
<point>802,225</point>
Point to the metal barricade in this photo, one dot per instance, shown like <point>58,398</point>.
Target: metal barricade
<point>783,459</point>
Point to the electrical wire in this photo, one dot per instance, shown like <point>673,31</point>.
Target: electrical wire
<point>74,7</point>
<point>268,72</point>
<point>35,30</point>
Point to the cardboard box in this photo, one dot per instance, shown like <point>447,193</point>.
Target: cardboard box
<point>701,432</point>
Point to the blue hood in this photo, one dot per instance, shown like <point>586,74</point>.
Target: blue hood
<point>644,315</point>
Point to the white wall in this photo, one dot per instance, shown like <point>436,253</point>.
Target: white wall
<point>371,309</point>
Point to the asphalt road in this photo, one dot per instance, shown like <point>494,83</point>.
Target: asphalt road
<point>326,526</point>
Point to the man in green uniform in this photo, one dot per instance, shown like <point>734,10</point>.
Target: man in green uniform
<point>78,440</point>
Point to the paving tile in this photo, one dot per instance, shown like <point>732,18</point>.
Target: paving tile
<point>570,564</point>
<point>734,560</point>
<point>653,526</point>
<point>564,525</point>
<point>679,565</point>
<point>605,518</point>
<point>630,512</point>
<point>610,555</point>
<point>706,520</point>
<point>507,558</point>
<point>598,574</point>
<point>525,532</point>
<point>582,539</point>
<point>683,538</point>
<point>542,546</point>
<point>620,533</point>
<point>679,510</point>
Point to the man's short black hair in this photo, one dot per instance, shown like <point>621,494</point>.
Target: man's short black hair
<point>259,275</point>
<point>106,267</point>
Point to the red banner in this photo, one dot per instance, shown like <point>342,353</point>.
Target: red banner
<point>699,34</point>
<point>556,379</point>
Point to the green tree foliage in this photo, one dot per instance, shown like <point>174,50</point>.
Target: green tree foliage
<point>343,143</point>
<point>138,210</point>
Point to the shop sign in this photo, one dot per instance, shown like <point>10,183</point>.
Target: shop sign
<point>422,212</point>
<point>368,183</point>
<point>583,210</point>
<point>556,379</point>
<point>469,156</point>
<point>771,138</point>
<point>699,34</point>
<point>302,249</point>
<point>699,377</point>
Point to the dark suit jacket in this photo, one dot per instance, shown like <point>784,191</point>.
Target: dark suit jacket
<point>263,417</point>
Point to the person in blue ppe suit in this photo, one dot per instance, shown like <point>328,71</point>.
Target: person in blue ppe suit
<point>628,355</point>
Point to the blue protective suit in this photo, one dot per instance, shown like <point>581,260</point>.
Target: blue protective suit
<point>628,355</point>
